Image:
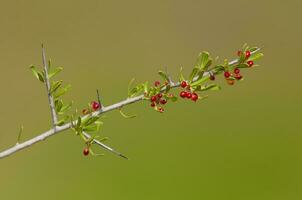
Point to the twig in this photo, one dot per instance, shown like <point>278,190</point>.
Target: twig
<point>47,83</point>
<point>104,146</point>
<point>67,126</point>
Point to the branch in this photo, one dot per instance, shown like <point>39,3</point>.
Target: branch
<point>104,146</point>
<point>58,129</point>
<point>48,89</point>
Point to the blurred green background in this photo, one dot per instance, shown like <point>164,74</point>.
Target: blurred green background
<point>244,142</point>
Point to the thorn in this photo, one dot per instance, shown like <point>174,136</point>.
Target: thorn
<point>123,156</point>
<point>169,77</point>
<point>19,135</point>
<point>98,97</point>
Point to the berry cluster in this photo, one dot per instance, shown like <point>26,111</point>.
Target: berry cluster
<point>187,93</point>
<point>230,77</point>
<point>94,106</point>
<point>160,99</point>
<point>247,56</point>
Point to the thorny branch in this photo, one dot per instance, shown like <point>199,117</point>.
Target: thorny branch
<point>59,129</point>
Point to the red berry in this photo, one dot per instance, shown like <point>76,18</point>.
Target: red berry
<point>212,77</point>
<point>238,76</point>
<point>189,95</point>
<point>227,74</point>
<point>236,71</point>
<point>86,151</point>
<point>159,95</point>
<point>194,96</point>
<point>163,101</point>
<point>152,104</point>
<point>250,63</point>
<point>95,105</point>
<point>153,98</point>
<point>247,54</point>
<point>183,94</point>
<point>183,84</point>
<point>157,83</point>
<point>239,53</point>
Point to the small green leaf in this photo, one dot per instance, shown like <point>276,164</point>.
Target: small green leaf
<point>65,108</point>
<point>58,105</point>
<point>253,49</point>
<point>181,77</point>
<point>217,69</point>
<point>242,65</point>
<point>193,74</point>
<point>126,116</point>
<point>245,47</point>
<point>62,121</point>
<point>200,81</point>
<point>61,91</point>
<point>55,72</point>
<point>203,61</point>
<point>79,122</point>
<point>207,87</point>
<point>55,85</point>
<point>92,128</point>
<point>37,74</point>
<point>129,86</point>
<point>256,56</point>
<point>145,87</point>
<point>172,98</point>
<point>213,87</point>
<point>137,90</point>
<point>164,75</point>
<point>90,120</point>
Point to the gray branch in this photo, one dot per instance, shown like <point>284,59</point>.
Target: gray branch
<point>48,89</point>
<point>67,126</point>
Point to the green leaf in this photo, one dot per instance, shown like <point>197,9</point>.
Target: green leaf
<point>256,56</point>
<point>55,85</point>
<point>172,98</point>
<point>164,75</point>
<point>90,120</point>
<point>37,74</point>
<point>145,85</point>
<point>126,116</point>
<point>61,91</point>
<point>200,81</point>
<point>65,108</point>
<point>203,60</point>
<point>79,122</point>
<point>242,65</point>
<point>92,128</point>
<point>129,86</point>
<point>245,47</point>
<point>181,77</point>
<point>55,72</point>
<point>218,69</point>
<point>253,49</point>
<point>137,90</point>
<point>193,74</point>
<point>62,121</point>
<point>58,105</point>
<point>213,87</point>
